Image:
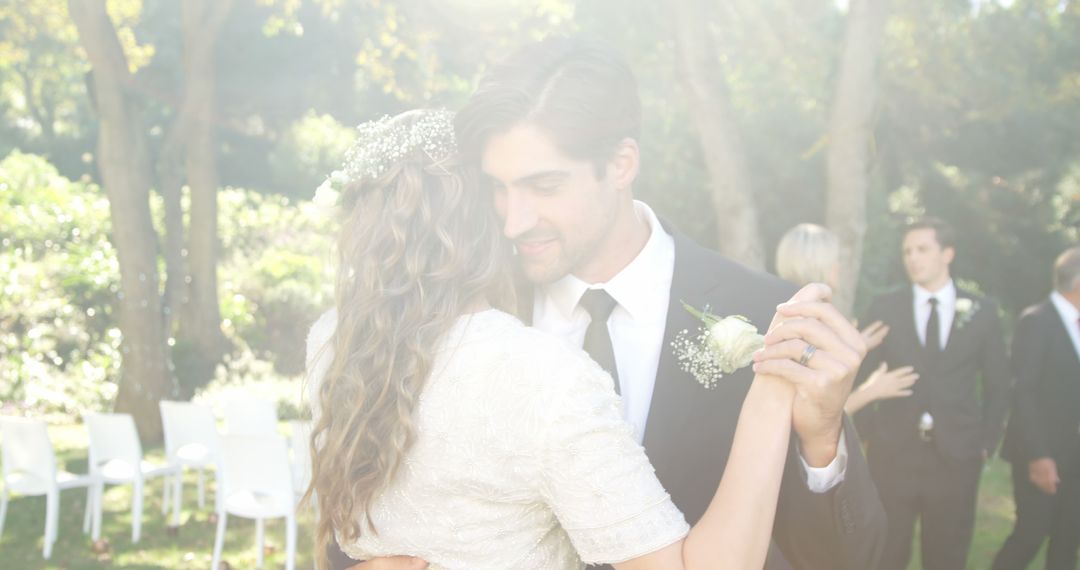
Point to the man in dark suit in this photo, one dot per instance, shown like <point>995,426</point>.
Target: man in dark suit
<point>926,452</point>
<point>1043,438</point>
<point>555,131</point>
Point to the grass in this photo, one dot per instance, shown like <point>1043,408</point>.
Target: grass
<point>20,546</point>
<point>191,548</point>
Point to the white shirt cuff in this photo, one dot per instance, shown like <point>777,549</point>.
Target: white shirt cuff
<point>823,479</point>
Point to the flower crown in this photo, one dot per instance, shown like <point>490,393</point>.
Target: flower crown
<point>384,142</point>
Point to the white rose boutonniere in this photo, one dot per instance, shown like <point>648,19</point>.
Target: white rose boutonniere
<point>965,310</point>
<point>722,346</point>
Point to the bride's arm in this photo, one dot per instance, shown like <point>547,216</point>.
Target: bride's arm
<point>735,530</point>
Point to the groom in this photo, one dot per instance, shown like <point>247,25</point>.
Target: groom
<point>555,131</point>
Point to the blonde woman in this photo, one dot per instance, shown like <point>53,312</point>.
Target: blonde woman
<point>447,430</point>
<point>809,253</point>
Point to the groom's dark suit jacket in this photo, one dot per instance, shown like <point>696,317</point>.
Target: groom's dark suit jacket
<point>965,388</point>
<point>690,429</point>
<point>1046,404</point>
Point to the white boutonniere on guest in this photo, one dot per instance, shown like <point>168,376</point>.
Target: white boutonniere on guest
<point>965,310</point>
<point>722,346</point>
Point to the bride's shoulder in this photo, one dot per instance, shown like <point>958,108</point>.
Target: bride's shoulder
<point>320,333</point>
<point>522,341</point>
<point>532,354</point>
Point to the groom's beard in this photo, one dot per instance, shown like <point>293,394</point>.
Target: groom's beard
<point>547,253</point>
<point>541,256</point>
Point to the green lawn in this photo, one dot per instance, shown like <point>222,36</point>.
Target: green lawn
<point>20,546</point>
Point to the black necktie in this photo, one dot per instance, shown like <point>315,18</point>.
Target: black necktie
<point>599,304</point>
<point>933,329</point>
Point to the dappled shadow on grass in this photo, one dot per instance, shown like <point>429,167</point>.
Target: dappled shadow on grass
<point>190,548</point>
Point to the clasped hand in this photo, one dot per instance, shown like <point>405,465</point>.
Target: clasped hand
<point>822,376</point>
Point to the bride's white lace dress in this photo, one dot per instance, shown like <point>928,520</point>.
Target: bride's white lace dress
<point>521,459</point>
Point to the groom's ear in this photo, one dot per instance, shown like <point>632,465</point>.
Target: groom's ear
<point>624,164</point>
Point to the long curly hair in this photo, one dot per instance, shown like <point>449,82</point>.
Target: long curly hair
<point>420,246</point>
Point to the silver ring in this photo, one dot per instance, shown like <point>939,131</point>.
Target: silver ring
<point>807,354</point>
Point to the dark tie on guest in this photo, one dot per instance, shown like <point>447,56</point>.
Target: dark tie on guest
<point>933,329</point>
<point>599,304</point>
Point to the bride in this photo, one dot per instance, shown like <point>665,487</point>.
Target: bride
<point>447,430</point>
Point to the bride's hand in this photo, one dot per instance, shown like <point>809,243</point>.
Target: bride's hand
<point>813,346</point>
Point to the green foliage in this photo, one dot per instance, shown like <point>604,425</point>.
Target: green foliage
<point>276,274</point>
<point>985,133</point>
<point>59,345</point>
<point>312,147</point>
<point>979,123</point>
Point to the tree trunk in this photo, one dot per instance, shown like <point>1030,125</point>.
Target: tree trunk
<point>710,106</point>
<point>200,319</point>
<point>170,182</point>
<point>851,133</point>
<point>125,171</point>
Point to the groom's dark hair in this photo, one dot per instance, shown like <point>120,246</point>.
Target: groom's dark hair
<point>580,91</point>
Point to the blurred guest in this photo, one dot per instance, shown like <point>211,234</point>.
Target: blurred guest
<point>926,452</point>
<point>1043,438</point>
<point>809,253</point>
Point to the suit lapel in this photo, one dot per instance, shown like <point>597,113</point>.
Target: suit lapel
<point>908,328</point>
<point>683,288</point>
<point>1060,334</point>
<point>958,334</point>
<point>950,340</point>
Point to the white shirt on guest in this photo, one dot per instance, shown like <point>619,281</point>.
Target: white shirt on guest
<point>946,309</point>
<point>643,292</point>
<point>1070,315</point>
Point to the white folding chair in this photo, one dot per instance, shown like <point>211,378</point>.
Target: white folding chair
<point>299,439</point>
<point>248,415</point>
<point>256,484</point>
<point>30,469</point>
<point>191,441</point>
<point>116,458</point>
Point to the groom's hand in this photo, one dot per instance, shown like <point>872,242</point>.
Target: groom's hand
<point>823,382</point>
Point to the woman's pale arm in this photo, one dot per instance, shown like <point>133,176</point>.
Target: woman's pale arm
<point>736,528</point>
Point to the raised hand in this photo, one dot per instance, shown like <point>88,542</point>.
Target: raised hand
<point>812,345</point>
<point>882,384</point>
<point>1044,475</point>
<point>873,334</point>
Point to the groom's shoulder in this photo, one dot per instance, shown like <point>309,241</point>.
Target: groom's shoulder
<point>715,268</point>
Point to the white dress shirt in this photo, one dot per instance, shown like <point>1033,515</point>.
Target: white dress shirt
<point>946,309</point>
<point>643,292</point>
<point>1070,315</point>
